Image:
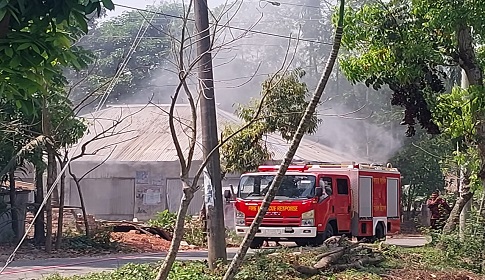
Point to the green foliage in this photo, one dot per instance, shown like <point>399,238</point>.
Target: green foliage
<point>415,48</point>
<point>37,42</point>
<point>165,220</point>
<point>194,231</point>
<point>37,39</point>
<point>421,163</point>
<point>126,272</point>
<point>260,267</point>
<point>279,110</point>
<point>180,271</point>
<point>246,150</point>
<point>456,112</point>
<point>100,240</point>
<point>389,44</point>
<point>284,97</point>
<point>459,251</point>
<point>111,40</point>
<point>265,266</point>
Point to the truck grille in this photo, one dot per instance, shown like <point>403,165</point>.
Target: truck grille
<point>275,222</point>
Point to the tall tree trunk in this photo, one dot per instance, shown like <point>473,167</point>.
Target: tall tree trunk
<point>60,219</point>
<point>81,200</point>
<point>14,207</point>
<point>39,229</point>
<point>467,60</point>
<point>203,218</point>
<point>51,177</point>
<point>454,217</point>
<point>410,202</point>
<point>178,233</point>
<point>239,257</point>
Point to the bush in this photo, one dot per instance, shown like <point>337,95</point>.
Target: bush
<point>180,271</point>
<point>101,239</point>
<point>165,220</point>
<point>194,229</point>
<point>455,251</point>
<point>194,232</point>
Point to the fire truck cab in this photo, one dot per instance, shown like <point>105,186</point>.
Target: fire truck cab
<point>317,201</point>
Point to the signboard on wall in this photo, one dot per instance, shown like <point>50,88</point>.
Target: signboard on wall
<point>149,193</point>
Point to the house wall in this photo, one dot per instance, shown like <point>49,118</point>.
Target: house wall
<point>124,190</point>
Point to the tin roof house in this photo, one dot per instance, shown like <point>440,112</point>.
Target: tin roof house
<point>131,165</point>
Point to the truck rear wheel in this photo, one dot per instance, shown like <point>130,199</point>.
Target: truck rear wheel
<point>256,243</point>
<point>380,232</point>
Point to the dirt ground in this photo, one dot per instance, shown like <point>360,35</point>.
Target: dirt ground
<point>127,242</point>
<point>145,243</point>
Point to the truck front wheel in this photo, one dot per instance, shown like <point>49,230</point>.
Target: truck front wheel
<point>329,232</point>
<point>256,243</point>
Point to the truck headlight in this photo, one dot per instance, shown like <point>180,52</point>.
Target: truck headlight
<point>307,218</point>
<point>240,218</point>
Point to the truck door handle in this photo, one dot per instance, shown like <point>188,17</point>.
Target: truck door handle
<point>333,209</point>
<point>348,209</point>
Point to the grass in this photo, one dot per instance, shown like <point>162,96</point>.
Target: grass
<point>276,264</point>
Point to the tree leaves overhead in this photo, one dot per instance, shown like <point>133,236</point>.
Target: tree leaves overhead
<point>390,44</point>
<point>285,99</point>
<point>420,163</point>
<point>111,42</point>
<point>36,44</point>
<point>283,102</point>
<point>36,39</point>
<point>414,47</point>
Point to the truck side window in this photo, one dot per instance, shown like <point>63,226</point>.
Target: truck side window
<point>326,184</point>
<point>342,186</point>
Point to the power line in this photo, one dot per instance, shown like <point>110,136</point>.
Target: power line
<point>231,27</point>
<point>70,156</point>
<point>278,3</point>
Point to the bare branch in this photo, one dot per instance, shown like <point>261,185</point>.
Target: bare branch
<point>105,133</point>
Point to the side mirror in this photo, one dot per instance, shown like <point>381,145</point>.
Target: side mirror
<point>328,190</point>
<point>227,194</point>
<point>318,191</point>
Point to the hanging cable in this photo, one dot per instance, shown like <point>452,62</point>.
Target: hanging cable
<point>105,96</point>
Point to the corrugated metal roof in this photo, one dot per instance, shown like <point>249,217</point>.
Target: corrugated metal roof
<point>142,133</point>
<point>19,185</point>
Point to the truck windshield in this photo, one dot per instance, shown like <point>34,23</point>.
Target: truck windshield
<point>292,186</point>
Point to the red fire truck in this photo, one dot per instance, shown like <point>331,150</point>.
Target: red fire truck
<point>317,201</point>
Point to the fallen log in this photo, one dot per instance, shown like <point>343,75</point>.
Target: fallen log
<point>326,259</point>
<point>359,264</point>
<point>334,240</point>
<point>306,270</point>
<point>355,253</point>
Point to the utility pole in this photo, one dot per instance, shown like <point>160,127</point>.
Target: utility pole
<point>466,209</point>
<point>216,232</point>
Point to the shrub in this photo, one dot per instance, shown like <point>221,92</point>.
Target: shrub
<point>194,232</point>
<point>101,239</point>
<point>455,251</point>
<point>165,220</point>
<point>180,271</point>
<point>194,229</point>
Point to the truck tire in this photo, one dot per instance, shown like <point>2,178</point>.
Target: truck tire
<point>256,243</point>
<point>302,242</point>
<point>329,232</point>
<point>380,232</point>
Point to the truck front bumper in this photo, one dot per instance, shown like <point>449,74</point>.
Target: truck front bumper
<point>282,232</point>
